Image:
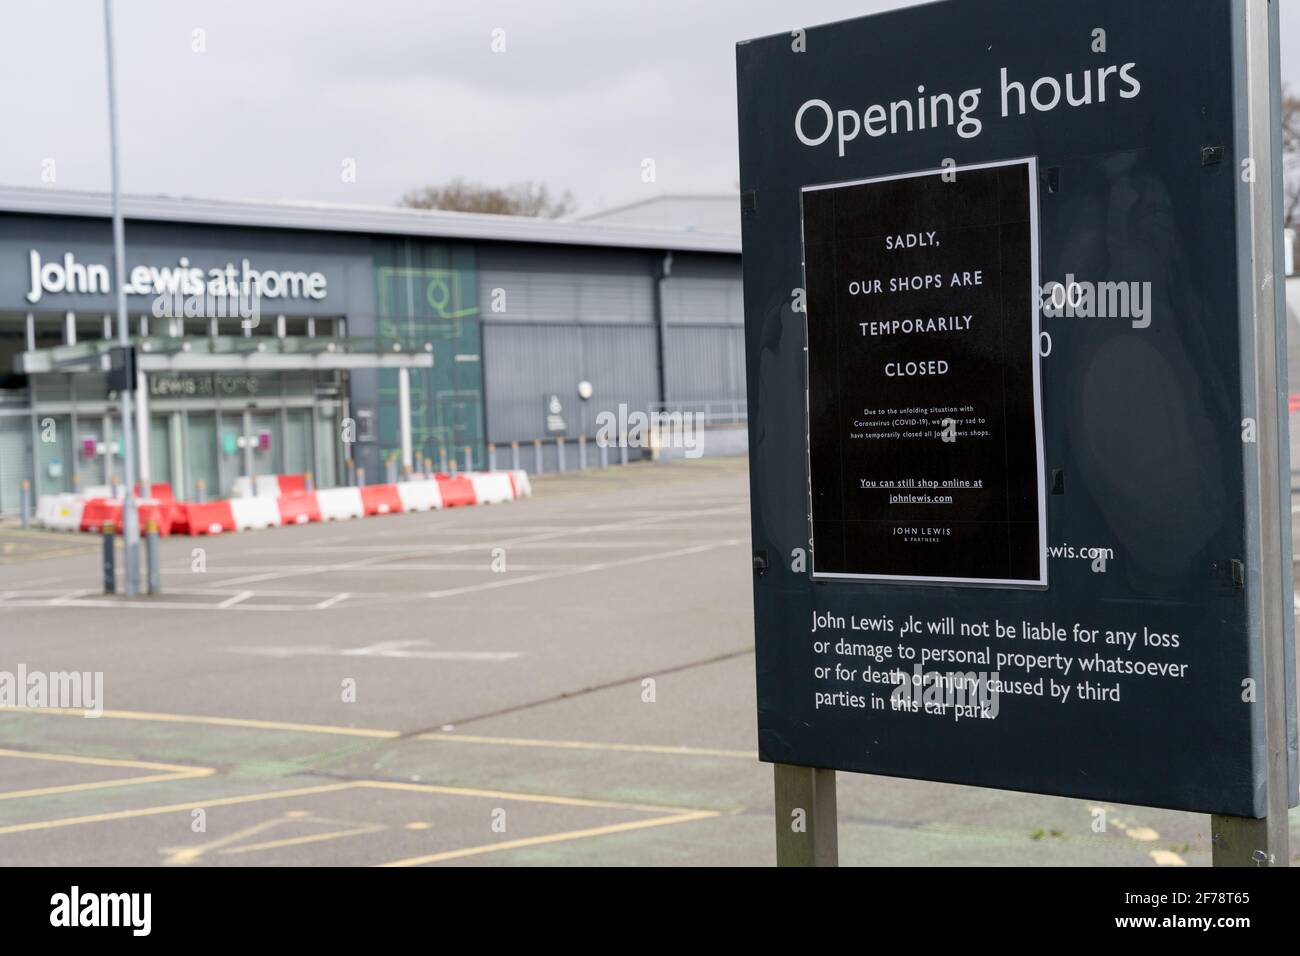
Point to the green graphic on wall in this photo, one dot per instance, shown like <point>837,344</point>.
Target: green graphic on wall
<point>427,293</point>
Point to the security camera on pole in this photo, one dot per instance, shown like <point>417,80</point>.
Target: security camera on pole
<point>130,518</point>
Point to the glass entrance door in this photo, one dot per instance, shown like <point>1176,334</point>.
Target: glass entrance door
<point>160,450</point>
<point>201,450</point>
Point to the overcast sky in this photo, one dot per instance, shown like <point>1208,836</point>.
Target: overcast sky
<point>409,89</point>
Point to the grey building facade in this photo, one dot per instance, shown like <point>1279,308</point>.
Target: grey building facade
<point>476,325</point>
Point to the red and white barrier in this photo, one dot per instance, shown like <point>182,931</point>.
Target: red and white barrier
<point>252,514</point>
<point>457,491</point>
<point>381,499</point>
<point>97,512</point>
<point>210,517</point>
<point>339,504</point>
<point>492,487</point>
<point>419,495</point>
<point>268,486</point>
<point>72,512</point>
<point>299,508</point>
<point>60,512</point>
<point>162,490</point>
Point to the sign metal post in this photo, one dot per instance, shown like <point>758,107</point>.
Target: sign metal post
<point>807,828</point>
<point>1250,841</point>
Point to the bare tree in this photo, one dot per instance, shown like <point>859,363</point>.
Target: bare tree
<point>519,199</point>
<point>1291,158</point>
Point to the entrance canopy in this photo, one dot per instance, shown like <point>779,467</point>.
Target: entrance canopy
<point>230,353</point>
<point>162,356</point>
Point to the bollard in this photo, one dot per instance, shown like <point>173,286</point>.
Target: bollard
<point>604,455</point>
<point>537,455</point>
<point>469,458</point>
<point>361,477</point>
<point>200,491</point>
<point>492,457</point>
<point>442,460</point>
<point>622,453</point>
<point>110,572</point>
<point>582,452</point>
<point>428,468</point>
<point>309,482</point>
<point>154,572</point>
<point>390,469</point>
<point>352,473</point>
<point>559,453</point>
<point>452,469</point>
<point>514,456</point>
<point>26,495</point>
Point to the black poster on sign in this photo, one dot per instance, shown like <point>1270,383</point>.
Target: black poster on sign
<point>924,402</point>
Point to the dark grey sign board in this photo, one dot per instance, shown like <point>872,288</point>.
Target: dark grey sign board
<point>1007,450</point>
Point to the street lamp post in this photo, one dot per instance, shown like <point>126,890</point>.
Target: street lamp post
<point>130,518</point>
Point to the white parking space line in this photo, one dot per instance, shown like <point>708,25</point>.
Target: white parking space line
<point>505,543</point>
<point>37,582</point>
<point>435,549</point>
<point>240,601</point>
<point>152,606</point>
<point>484,565</point>
<point>583,569</point>
<point>397,650</point>
<point>592,531</point>
<point>220,578</point>
<point>69,596</point>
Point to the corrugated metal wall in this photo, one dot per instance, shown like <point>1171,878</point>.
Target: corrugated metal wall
<point>704,334</point>
<point>567,286</point>
<point>553,317</point>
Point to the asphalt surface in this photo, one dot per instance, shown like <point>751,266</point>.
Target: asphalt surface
<point>387,691</point>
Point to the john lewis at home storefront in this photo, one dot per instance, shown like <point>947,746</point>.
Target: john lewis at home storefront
<point>284,338</point>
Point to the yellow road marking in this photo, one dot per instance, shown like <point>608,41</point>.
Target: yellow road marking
<point>1167,858</point>
<point>188,854</point>
<point>1126,827</point>
<point>99,785</point>
<point>440,736</point>
<point>99,761</point>
<point>357,830</point>
<point>243,722</point>
<point>168,772</point>
<point>353,785</point>
<point>564,837</point>
<point>169,808</point>
<point>454,738</point>
<point>518,796</point>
